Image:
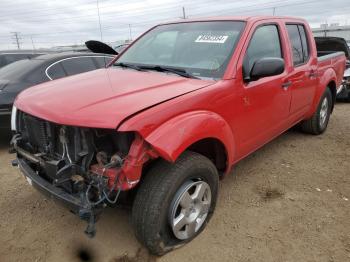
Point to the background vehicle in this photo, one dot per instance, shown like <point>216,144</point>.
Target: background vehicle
<point>330,44</point>
<point>100,47</point>
<point>120,48</point>
<point>344,93</point>
<point>23,74</point>
<point>171,116</point>
<point>326,45</point>
<point>8,57</point>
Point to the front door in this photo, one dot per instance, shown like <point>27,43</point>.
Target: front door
<point>265,102</point>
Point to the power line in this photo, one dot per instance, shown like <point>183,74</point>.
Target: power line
<point>110,12</point>
<point>130,14</point>
<point>259,7</point>
<point>111,15</point>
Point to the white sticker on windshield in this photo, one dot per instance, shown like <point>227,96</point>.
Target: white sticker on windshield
<point>211,39</point>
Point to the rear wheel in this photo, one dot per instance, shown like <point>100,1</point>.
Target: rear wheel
<point>175,202</point>
<point>318,123</point>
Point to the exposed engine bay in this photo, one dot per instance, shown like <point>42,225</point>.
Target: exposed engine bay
<point>92,165</point>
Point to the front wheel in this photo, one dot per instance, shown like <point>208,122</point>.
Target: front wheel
<point>175,202</point>
<point>318,123</point>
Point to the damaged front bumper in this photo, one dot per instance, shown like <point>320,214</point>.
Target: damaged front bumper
<point>77,204</point>
<point>105,181</point>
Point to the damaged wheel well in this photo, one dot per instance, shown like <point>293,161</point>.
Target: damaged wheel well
<point>214,150</point>
<point>333,88</point>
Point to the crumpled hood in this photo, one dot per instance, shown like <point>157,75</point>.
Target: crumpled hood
<point>103,98</point>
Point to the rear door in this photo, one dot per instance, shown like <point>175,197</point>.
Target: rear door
<point>265,101</point>
<point>303,74</point>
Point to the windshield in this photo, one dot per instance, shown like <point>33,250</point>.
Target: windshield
<point>201,49</point>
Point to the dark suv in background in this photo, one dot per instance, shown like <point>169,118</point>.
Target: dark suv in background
<point>8,57</point>
<point>23,74</point>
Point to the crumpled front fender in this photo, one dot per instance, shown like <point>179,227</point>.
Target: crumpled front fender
<point>175,135</point>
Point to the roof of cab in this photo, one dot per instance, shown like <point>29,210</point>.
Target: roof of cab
<point>235,18</point>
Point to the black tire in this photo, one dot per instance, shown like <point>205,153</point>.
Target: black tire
<point>314,125</point>
<point>150,213</point>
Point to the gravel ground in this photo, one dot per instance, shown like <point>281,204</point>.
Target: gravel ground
<point>289,201</point>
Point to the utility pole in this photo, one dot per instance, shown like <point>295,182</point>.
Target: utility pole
<point>130,37</point>
<point>31,38</point>
<point>99,19</point>
<point>183,13</point>
<point>273,11</point>
<point>16,37</point>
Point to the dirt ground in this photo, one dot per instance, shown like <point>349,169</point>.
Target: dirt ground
<point>289,201</point>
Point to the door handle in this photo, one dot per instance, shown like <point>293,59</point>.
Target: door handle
<point>287,84</point>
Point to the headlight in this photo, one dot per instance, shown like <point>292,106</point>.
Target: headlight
<point>13,118</point>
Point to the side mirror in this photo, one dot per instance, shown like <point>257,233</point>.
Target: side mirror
<point>268,66</point>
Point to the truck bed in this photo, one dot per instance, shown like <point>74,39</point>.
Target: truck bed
<point>325,55</point>
<point>330,60</point>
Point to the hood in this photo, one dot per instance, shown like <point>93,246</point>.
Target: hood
<point>3,83</point>
<point>103,98</point>
<point>100,47</point>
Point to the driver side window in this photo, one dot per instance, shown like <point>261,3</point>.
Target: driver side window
<point>265,42</point>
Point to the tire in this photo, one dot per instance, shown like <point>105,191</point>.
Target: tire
<point>318,123</point>
<point>160,192</point>
<point>347,99</point>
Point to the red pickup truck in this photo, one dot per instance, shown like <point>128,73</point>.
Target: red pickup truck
<point>170,117</point>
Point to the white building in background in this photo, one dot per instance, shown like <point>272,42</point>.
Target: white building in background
<point>333,30</point>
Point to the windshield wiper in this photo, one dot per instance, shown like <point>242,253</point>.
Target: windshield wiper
<point>177,71</point>
<point>126,65</point>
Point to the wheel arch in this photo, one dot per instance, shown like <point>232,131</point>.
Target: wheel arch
<point>327,80</point>
<point>203,132</point>
<point>333,87</point>
<point>214,150</point>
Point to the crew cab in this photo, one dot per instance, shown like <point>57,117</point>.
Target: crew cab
<point>170,116</point>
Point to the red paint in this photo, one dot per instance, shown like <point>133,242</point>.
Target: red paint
<point>170,113</point>
<point>127,176</point>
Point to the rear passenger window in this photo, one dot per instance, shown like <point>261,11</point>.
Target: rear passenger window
<point>78,65</point>
<point>299,45</point>
<point>103,61</point>
<point>55,71</point>
<point>264,43</point>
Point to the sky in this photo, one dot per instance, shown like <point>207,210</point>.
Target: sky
<point>41,23</point>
